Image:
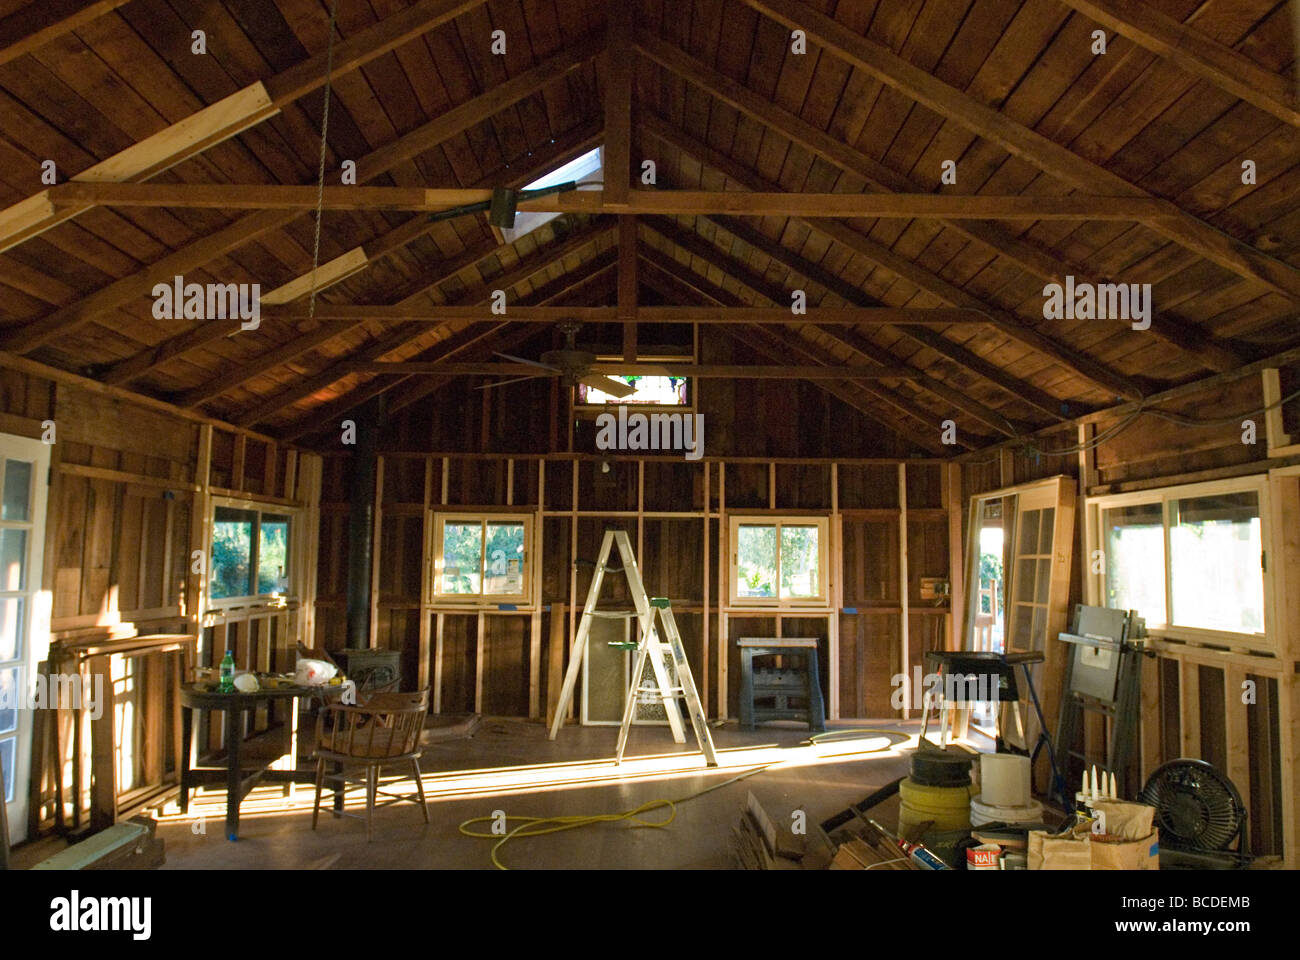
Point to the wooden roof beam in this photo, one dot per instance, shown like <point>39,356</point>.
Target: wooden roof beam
<point>697,246</point>
<point>722,87</point>
<point>406,332</point>
<point>196,255</point>
<point>361,257</point>
<point>897,73</point>
<point>728,316</point>
<point>910,206</point>
<point>37,24</point>
<point>1005,321</point>
<point>788,342</point>
<point>227,117</point>
<point>851,295</point>
<point>1193,52</point>
<point>837,286</point>
<point>501,337</point>
<point>1212,354</point>
<point>328,413</point>
<point>701,371</point>
<point>572,284</point>
<point>673,278</point>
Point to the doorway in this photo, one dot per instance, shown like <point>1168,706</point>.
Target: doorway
<point>24,612</point>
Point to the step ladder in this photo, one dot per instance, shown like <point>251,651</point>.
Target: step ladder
<point>667,657</point>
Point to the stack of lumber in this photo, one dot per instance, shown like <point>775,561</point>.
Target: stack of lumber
<point>760,844</point>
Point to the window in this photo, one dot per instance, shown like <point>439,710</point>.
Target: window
<point>480,557</point>
<point>24,613</point>
<point>1134,545</point>
<point>1215,574</point>
<point>1189,557</point>
<point>250,554</point>
<point>778,561</point>
<point>584,169</point>
<point>647,391</point>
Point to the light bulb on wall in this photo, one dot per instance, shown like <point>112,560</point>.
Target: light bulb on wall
<point>604,466</point>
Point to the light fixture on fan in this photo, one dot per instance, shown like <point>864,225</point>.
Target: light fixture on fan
<point>569,362</point>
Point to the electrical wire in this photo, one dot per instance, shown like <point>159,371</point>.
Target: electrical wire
<point>1029,447</point>
<point>320,175</point>
<point>541,826</point>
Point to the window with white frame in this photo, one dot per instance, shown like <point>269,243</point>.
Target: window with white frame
<point>1189,558</point>
<point>481,557</point>
<point>250,553</point>
<point>778,561</point>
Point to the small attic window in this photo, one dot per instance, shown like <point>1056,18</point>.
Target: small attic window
<point>583,169</point>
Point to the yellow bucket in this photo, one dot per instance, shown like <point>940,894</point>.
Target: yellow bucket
<point>948,808</point>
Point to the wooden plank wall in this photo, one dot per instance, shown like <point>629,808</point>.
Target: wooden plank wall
<point>1192,693</point>
<point>129,492</point>
<point>499,661</point>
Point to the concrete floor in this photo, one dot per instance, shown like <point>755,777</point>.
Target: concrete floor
<point>510,766</point>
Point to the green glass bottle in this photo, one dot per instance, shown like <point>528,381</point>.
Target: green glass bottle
<point>227,674</point>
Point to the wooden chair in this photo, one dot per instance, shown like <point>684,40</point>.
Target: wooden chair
<point>386,730</point>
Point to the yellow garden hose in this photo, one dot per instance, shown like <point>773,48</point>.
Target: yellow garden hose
<point>541,826</point>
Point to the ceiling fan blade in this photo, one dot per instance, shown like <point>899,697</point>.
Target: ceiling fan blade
<point>614,388</point>
<point>502,383</point>
<point>531,363</point>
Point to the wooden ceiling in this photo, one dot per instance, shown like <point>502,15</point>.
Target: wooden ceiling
<point>1148,138</point>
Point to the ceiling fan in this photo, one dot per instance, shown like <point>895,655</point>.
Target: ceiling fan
<point>569,362</point>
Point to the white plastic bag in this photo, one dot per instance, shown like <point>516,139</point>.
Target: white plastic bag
<point>313,673</point>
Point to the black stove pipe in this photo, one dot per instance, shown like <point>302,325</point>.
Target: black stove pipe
<point>361,523</point>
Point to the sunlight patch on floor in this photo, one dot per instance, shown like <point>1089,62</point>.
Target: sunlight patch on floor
<point>543,777</point>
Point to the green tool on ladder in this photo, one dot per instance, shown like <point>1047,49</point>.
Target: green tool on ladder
<point>667,657</point>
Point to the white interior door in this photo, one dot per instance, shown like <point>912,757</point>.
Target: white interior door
<point>24,612</point>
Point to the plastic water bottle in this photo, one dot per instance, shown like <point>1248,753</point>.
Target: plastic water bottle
<point>227,673</point>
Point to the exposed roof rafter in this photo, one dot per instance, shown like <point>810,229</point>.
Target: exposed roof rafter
<point>892,70</point>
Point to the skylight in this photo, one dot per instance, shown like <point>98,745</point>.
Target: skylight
<point>583,169</point>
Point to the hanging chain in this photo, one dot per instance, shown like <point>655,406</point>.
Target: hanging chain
<point>320,175</point>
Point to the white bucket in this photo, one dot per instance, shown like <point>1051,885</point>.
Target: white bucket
<point>982,813</point>
<point>1004,779</point>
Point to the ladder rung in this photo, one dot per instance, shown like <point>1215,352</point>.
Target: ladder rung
<point>614,614</point>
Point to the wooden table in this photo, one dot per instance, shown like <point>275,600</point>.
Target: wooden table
<point>238,783</point>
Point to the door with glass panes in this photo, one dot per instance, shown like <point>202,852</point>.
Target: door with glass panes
<point>24,612</point>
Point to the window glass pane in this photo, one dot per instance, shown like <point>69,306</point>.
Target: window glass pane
<point>659,391</point>
<point>273,554</point>
<point>756,560</point>
<point>1044,585</point>
<point>503,558</point>
<point>462,556</point>
<point>8,700</point>
<point>1047,530</point>
<point>1215,547</point>
<point>232,553</point>
<point>1029,521</point>
<point>1134,541</point>
<point>1021,637</point>
<point>11,628</point>
<point>1039,629</point>
<point>18,490</point>
<point>799,562</point>
<point>13,559</point>
<point>7,765</point>
<point>1025,579</point>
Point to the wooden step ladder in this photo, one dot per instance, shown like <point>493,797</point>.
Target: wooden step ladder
<point>667,657</point>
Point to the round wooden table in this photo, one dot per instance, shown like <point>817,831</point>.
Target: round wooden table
<point>234,705</point>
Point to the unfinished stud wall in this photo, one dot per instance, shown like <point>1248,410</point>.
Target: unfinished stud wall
<point>506,661</point>
<point>1192,689</point>
<point>130,495</point>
